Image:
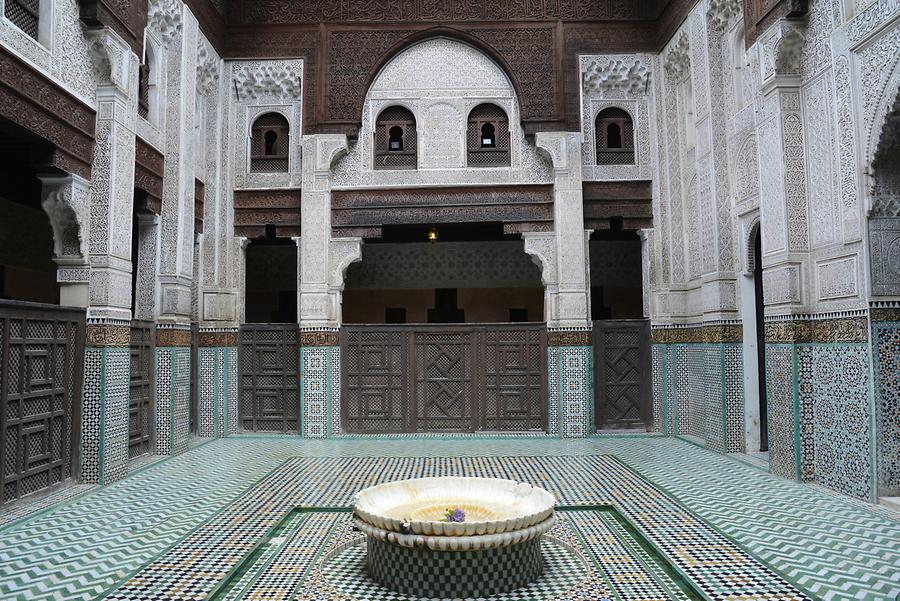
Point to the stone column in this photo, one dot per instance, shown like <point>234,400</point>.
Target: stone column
<point>323,260</point>
<point>178,30</point>
<point>105,407</point>
<point>785,242</point>
<point>570,353</point>
<point>218,413</point>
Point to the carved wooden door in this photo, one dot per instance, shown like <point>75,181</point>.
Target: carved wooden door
<point>140,414</point>
<point>374,380</point>
<point>41,363</point>
<point>445,385</point>
<point>515,375</point>
<point>268,361</point>
<point>444,378</point>
<point>622,374</point>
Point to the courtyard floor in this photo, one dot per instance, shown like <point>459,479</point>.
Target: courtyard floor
<point>642,517</point>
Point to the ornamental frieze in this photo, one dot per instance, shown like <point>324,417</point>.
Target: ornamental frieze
<point>218,339</point>
<point>570,338</point>
<point>885,314</point>
<point>170,337</point>
<point>319,339</point>
<point>844,329</point>
<point>710,334</point>
<point>108,336</point>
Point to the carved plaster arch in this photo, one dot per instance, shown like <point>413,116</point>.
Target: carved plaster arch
<point>788,51</point>
<point>751,227</point>
<point>342,252</point>
<point>885,111</point>
<point>541,247</point>
<point>433,33</point>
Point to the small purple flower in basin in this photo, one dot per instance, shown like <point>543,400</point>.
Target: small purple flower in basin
<point>455,515</point>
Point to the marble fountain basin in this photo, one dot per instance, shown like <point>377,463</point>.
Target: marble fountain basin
<point>491,506</point>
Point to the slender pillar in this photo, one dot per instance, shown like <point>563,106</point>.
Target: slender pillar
<point>570,352</point>
<point>218,412</point>
<point>322,262</point>
<point>105,407</point>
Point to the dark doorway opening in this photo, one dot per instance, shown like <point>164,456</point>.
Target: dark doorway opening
<point>27,269</point>
<point>443,274</point>
<point>760,341</point>
<point>271,280</point>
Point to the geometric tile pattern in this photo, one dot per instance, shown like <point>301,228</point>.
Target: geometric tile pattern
<point>218,411</point>
<point>630,574</point>
<point>570,370</point>
<point>833,546</point>
<point>318,391</point>
<point>342,574</point>
<point>818,419</point>
<point>711,562</point>
<point>780,380</point>
<point>841,412</point>
<point>886,342</point>
<point>104,415</point>
<point>698,391</point>
<point>173,398</point>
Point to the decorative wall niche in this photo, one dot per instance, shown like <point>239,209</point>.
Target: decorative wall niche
<point>615,91</point>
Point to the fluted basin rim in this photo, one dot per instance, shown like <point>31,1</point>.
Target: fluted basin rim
<point>516,505</point>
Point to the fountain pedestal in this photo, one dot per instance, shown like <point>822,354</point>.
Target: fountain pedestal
<point>497,552</point>
<point>453,574</point>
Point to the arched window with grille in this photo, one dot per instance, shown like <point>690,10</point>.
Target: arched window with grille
<point>395,139</point>
<point>614,135</point>
<point>270,144</point>
<point>487,137</point>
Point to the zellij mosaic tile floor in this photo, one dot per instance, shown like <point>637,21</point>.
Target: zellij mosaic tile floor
<point>641,518</point>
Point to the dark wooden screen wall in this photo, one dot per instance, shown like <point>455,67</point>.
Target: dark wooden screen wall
<point>140,414</point>
<point>622,374</point>
<point>268,363</point>
<point>444,378</point>
<point>41,363</point>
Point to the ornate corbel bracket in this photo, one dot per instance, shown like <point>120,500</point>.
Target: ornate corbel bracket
<point>111,57</point>
<point>562,148</point>
<point>782,51</point>
<point>65,200</point>
<point>541,247</point>
<point>341,253</point>
<point>328,149</point>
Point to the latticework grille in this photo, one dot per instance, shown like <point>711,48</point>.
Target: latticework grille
<point>268,360</point>
<point>614,137</point>
<point>144,91</point>
<point>385,157</point>
<point>140,421</point>
<point>270,144</point>
<point>41,391</point>
<point>24,14</point>
<point>478,154</point>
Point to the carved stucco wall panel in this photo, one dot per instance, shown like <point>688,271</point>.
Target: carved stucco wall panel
<point>440,81</point>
